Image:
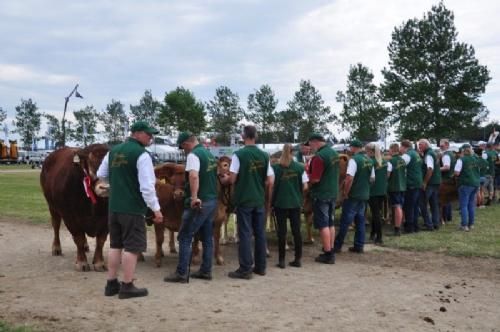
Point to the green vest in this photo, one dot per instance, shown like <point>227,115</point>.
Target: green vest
<point>469,175</point>
<point>414,176</point>
<point>125,195</point>
<point>492,158</point>
<point>436,173</point>
<point>448,175</point>
<point>249,189</point>
<point>379,187</point>
<point>207,176</point>
<point>397,180</point>
<point>287,191</point>
<point>360,188</point>
<point>484,168</point>
<point>328,186</point>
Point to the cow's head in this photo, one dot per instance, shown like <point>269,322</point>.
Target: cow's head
<point>89,159</point>
<point>172,174</point>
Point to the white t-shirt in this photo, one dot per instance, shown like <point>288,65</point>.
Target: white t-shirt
<point>406,158</point>
<point>235,166</point>
<point>352,168</point>
<point>429,162</point>
<point>192,162</point>
<point>446,160</point>
<point>389,167</point>
<point>458,166</point>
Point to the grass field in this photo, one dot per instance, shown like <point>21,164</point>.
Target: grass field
<point>4,327</point>
<point>14,166</point>
<point>21,198</point>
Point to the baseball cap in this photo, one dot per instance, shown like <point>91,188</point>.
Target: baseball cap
<point>356,143</point>
<point>316,136</point>
<point>143,126</point>
<point>184,136</point>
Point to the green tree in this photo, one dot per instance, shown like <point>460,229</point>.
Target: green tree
<point>148,109</point>
<point>433,81</point>
<point>86,125</point>
<point>115,122</point>
<point>306,113</point>
<point>3,115</point>
<point>183,112</point>
<point>54,129</point>
<point>225,113</point>
<point>28,120</point>
<point>362,112</point>
<point>261,110</point>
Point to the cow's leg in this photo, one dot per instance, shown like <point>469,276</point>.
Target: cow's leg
<point>219,260</point>
<point>171,242</point>
<point>81,263</point>
<point>56,225</point>
<point>86,246</point>
<point>159,237</point>
<point>309,223</point>
<point>98,260</point>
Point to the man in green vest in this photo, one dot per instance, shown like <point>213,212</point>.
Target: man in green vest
<point>448,164</point>
<point>397,186</point>
<point>414,180</point>
<point>324,181</point>
<point>252,176</point>
<point>491,157</point>
<point>129,168</point>
<point>360,173</point>
<point>430,186</point>
<point>200,201</point>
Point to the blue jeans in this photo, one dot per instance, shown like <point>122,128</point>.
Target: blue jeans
<point>352,209</point>
<point>430,196</point>
<point>410,206</point>
<point>250,221</point>
<point>194,221</point>
<point>467,197</point>
<point>323,212</point>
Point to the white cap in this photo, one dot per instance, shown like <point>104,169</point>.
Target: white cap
<point>481,143</point>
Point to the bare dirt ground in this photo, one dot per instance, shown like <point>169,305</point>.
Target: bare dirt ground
<point>378,291</point>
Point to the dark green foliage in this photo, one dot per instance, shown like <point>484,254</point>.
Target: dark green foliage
<point>261,111</point>
<point>182,112</point>
<point>433,81</point>
<point>362,114</point>
<point>115,122</point>
<point>28,120</point>
<point>225,114</point>
<point>85,118</point>
<point>148,109</point>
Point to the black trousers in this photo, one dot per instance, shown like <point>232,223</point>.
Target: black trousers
<point>294,216</point>
<point>376,203</point>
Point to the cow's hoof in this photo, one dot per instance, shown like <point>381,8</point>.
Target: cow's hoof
<point>310,241</point>
<point>173,250</point>
<point>82,267</point>
<point>100,267</point>
<point>219,260</point>
<point>162,253</point>
<point>140,258</point>
<point>57,251</point>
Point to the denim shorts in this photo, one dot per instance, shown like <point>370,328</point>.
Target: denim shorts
<point>323,212</point>
<point>397,198</point>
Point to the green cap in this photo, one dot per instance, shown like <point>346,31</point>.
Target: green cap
<point>143,126</point>
<point>184,136</point>
<point>316,136</point>
<point>466,146</point>
<point>356,143</point>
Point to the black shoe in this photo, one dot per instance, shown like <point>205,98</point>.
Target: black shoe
<point>378,240</point>
<point>326,258</point>
<point>336,250</point>
<point>295,263</point>
<point>238,274</point>
<point>428,229</point>
<point>281,264</point>
<point>112,287</point>
<point>129,290</point>
<point>372,236</point>
<point>356,250</point>
<point>397,232</point>
<point>259,272</point>
<point>436,227</point>
<point>201,275</point>
<point>176,277</point>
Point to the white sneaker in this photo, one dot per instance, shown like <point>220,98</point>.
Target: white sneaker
<point>471,227</point>
<point>463,228</point>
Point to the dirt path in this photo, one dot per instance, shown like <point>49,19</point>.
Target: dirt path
<point>377,291</point>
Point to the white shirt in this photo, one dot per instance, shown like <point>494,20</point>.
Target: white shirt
<point>458,166</point>
<point>485,155</point>
<point>389,167</point>
<point>429,162</point>
<point>235,166</point>
<point>146,177</point>
<point>406,158</point>
<point>305,178</point>
<point>352,168</point>
<point>446,160</point>
<point>192,162</point>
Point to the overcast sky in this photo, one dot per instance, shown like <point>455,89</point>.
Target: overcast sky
<point>117,49</point>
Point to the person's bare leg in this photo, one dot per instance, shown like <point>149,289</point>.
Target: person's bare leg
<point>326,238</point>
<point>114,258</point>
<point>129,261</point>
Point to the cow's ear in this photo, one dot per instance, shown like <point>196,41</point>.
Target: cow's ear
<point>164,171</point>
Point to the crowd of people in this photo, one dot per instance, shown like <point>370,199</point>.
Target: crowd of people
<point>410,176</point>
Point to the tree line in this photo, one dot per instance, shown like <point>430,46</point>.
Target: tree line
<point>431,88</point>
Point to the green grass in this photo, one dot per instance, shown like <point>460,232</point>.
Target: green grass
<point>483,241</point>
<point>4,327</point>
<point>21,197</point>
<point>14,166</point>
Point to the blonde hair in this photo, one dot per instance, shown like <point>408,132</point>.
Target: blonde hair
<point>376,152</point>
<point>467,152</point>
<point>286,156</point>
<point>394,147</point>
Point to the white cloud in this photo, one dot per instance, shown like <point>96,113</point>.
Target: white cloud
<point>25,74</point>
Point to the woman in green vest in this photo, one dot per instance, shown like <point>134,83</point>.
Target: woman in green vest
<point>467,171</point>
<point>290,181</point>
<point>378,191</point>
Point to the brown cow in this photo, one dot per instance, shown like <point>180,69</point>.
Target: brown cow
<point>62,179</point>
<point>308,209</point>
